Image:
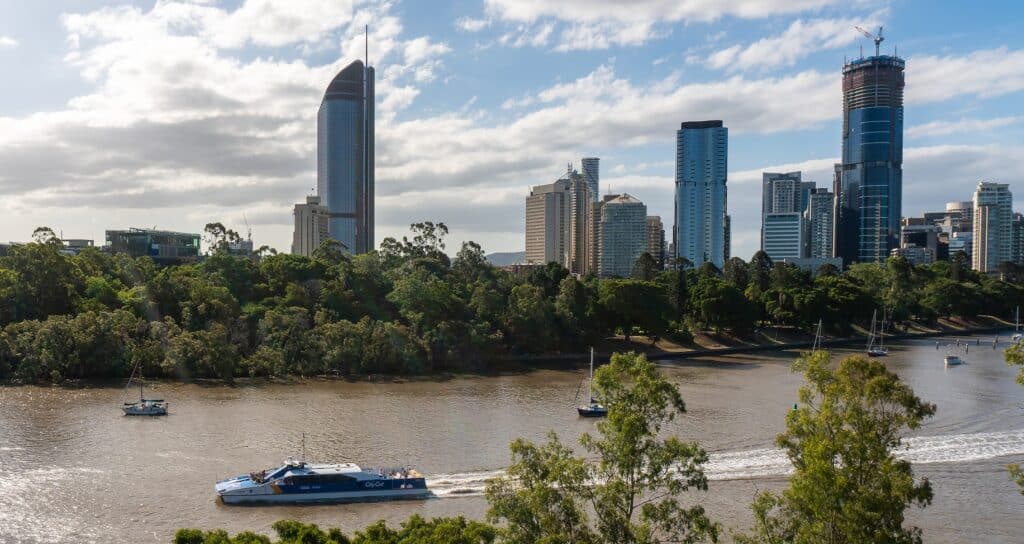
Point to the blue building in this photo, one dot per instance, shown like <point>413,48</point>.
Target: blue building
<point>345,157</point>
<point>869,186</point>
<point>699,234</point>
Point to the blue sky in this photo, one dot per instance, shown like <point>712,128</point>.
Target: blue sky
<point>175,113</point>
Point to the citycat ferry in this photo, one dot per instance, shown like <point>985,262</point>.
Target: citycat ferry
<point>301,482</point>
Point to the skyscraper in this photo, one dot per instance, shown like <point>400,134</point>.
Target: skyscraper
<point>591,172</point>
<point>345,157</point>
<point>623,235</point>
<point>558,223</point>
<point>311,226</point>
<point>869,190</point>
<point>700,199</point>
<point>656,239</point>
<point>782,214</point>
<point>819,224</point>
<point>993,224</point>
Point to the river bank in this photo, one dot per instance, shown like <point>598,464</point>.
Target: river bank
<point>711,344</point>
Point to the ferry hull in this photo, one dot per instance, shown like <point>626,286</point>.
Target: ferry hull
<point>328,497</point>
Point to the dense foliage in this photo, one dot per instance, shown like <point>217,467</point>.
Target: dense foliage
<point>408,308</point>
<point>1015,356</point>
<point>848,487</point>
<point>415,530</point>
<point>632,486</point>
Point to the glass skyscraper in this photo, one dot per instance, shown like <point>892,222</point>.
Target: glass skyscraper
<point>591,172</point>
<point>699,234</point>
<point>869,187</point>
<point>345,157</point>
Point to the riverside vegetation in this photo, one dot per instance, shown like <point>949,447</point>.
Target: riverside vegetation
<point>410,309</point>
<point>631,488</point>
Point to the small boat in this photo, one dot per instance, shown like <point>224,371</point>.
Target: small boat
<point>1017,335</point>
<point>873,349</point>
<point>593,408</point>
<point>299,482</point>
<point>144,406</point>
<point>951,358</point>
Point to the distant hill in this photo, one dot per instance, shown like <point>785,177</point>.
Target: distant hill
<point>507,258</point>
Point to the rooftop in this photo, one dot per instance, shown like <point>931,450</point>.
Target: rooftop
<point>701,124</point>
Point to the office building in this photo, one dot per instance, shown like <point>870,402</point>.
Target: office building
<point>700,192</point>
<point>869,189</point>
<point>924,236</point>
<point>623,235</point>
<point>345,157</point>
<point>163,246</point>
<point>961,242</point>
<point>993,217</point>
<point>915,255</point>
<point>819,221</point>
<point>727,252</point>
<point>656,239</point>
<point>591,172</point>
<point>1017,239</point>
<point>311,226</point>
<point>558,223</point>
<point>783,235</point>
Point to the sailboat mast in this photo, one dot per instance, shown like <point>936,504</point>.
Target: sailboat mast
<point>590,384</point>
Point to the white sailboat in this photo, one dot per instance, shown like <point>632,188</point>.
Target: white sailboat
<point>876,350</point>
<point>951,358</point>
<point>144,407</point>
<point>593,408</point>
<point>817,339</point>
<point>1017,335</point>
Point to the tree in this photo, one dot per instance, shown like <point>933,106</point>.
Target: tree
<point>414,530</point>
<point>760,270</point>
<point>737,273</point>
<point>848,487</point>
<point>630,303</point>
<point>635,484</point>
<point>1015,356</point>
<point>645,268</point>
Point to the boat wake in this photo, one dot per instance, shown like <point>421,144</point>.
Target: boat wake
<point>772,462</point>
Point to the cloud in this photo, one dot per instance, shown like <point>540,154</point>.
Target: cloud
<point>984,73</point>
<point>798,41</point>
<point>7,41</point>
<point>964,125</point>
<point>468,24</point>
<point>600,24</point>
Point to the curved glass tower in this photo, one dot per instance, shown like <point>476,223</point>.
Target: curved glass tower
<point>344,152</point>
<point>869,188</point>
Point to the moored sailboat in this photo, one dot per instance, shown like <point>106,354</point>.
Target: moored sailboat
<point>144,406</point>
<point>877,349</point>
<point>593,408</point>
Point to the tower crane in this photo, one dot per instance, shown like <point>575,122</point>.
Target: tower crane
<point>877,38</point>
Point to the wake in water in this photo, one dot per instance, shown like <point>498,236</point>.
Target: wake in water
<point>772,462</point>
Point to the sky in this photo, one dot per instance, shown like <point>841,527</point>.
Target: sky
<point>176,113</point>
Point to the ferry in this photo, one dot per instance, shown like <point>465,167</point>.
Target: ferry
<point>297,482</point>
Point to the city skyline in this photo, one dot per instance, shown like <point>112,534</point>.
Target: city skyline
<point>103,129</point>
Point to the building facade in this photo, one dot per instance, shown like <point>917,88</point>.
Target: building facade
<point>592,173</point>
<point>311,226</point>
<point>993,218</point>
<point>623,235</point>
<point>345,157</point>
<point>163,246</point>
<point>656,239</point>
<point>869,188</point>
<point>819,219</point>
<point>547,219</point>
<point>1017,238</point>
<point>783,235</point>
<point>698,234</point>
<point>559,224</point>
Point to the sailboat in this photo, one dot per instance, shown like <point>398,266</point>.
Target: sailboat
<point>817,339</point>
<point>144,407</point>
<point>876,350</point>
<point>593,408</point>
<point>1017,335</point>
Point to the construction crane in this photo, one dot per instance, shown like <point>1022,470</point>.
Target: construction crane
<point>877,38</point>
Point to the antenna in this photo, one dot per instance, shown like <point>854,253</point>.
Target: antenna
<point>248,227</point>
<point>366,44</point>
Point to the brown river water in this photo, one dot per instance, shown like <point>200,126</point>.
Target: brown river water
<point>73,469</point>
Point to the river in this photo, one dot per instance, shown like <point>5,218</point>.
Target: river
<point>72,469</point>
